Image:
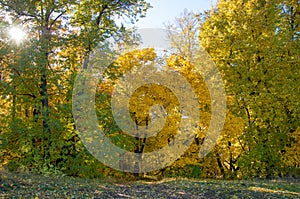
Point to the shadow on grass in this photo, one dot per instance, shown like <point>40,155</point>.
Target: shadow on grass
<point>26,185</point>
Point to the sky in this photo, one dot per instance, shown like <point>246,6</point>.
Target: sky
<point>152,27</point>
<point>165,11</point>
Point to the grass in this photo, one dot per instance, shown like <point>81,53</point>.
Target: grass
<point>26,185</point>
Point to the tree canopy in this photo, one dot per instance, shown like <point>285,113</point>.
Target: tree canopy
<point>255,47</point>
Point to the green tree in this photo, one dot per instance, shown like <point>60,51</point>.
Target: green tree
<point>41,71</point>
<point>255,45</point>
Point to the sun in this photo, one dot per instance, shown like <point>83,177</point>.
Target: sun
<point>16,34</point>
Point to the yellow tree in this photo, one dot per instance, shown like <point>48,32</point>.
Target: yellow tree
<point>116,70</point>
<point>184,36</point>
<point>150,103</point>
<point>223,158</point>
<point>153,102</point>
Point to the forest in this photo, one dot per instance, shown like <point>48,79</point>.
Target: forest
<point>254,45</point>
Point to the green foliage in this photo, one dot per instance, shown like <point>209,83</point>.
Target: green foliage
<point>255,46</point>
<point>188,171</point>
<point>37,130</point>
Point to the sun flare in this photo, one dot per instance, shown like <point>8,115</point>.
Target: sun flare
<point>17,34</point>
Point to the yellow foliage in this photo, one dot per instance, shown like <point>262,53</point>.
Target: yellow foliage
<point>134,58</point>
<point>292,155</point>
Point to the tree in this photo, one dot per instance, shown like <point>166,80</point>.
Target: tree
<point>42,71</point>
<point>184,34</point>
<point>254,44</point>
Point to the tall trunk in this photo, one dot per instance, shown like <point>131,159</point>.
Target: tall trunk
<point>45,101</point>
<point>45,46</point>
<point>45,41</point>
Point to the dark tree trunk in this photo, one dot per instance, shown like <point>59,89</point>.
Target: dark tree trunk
<point>45,39</point>
<point>220,165</point>
<point>45,102</point>
<point>140,146</point>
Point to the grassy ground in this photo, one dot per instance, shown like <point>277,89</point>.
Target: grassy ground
<point>33,186</point>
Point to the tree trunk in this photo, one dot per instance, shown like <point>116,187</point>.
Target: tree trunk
<point>45,102</point>
<point>45,46</point>
<point>220,165</point>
